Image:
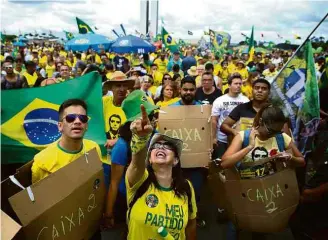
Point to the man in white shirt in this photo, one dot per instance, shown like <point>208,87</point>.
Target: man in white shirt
<point>221,109</point>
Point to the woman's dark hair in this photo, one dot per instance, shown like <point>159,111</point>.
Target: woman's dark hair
<point>174,88</point>
<point>164,75</point>
<point>180,185</point>
<point>176,76</point>
<point>269,114</point>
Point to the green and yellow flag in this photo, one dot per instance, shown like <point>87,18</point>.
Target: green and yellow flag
<point>251,46</point>
<point>30,123</point>
<point>168,41</point>
<point>83,27</point>
<point>69,35</point>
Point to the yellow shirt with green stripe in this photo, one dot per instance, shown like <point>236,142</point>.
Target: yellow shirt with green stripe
<point>55,157</point>
<point>158,207</point>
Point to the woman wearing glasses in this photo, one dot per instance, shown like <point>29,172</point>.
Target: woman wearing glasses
<point>168,95</point>
<point>166,79</point>
<point>263,141</point>
<point>158,195</point>
<point>72,125</point>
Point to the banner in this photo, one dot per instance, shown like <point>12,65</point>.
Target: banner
<point>30,123</point>
<point>296,90</point>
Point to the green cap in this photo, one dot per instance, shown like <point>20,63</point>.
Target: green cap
<point>131,105</point>
<point>162,231</point>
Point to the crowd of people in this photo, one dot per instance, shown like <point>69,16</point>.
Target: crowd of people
<point>147,188</point>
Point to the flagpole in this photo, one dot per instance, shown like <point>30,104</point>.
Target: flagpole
<point>300,47</point>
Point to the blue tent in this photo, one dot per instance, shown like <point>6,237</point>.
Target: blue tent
<point>19,44</point>
<point>132,44</point>
<point>83,42</point>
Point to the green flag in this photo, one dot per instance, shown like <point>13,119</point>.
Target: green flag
<point>83,27</point>
<point>30,123</point>
<point>295,90</point>
<point>251,46</point>
<point>168,41</point>
<point>69,35</point>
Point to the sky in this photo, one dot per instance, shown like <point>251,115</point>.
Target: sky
<point>269,17</point>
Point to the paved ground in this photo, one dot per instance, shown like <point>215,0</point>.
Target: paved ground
<point>213,229</point>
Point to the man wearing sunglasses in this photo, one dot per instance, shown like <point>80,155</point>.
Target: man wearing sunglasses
<point>72,124</point>
<point>10,80</point>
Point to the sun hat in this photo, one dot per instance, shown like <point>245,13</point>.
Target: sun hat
<point>192,71</point>
<point>119,77</point>
<point>176,142</point>
<point>241,62</point>
<point>131,105</point>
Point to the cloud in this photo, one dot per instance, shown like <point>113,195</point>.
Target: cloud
<point>234,16</point>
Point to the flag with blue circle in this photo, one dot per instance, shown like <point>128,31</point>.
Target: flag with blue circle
<point>29,117</point>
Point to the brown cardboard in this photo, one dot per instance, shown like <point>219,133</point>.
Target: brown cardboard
<point>68,203</point>
<point>261,204</point>
<point>192,125</point>
<point>9,228</point>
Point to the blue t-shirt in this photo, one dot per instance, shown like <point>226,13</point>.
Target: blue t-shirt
<point>119,156</point>
<point>179,103</point>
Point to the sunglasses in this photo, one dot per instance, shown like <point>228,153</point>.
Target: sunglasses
<point>271,131</point>
<point>9,67</point>
<point>71,118</point>
<point>165,146</point>
<point>167,78</point>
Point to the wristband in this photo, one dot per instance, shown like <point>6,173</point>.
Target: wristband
<point>138,143</point>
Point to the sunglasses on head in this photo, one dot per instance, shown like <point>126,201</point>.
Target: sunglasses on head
<point>71,118</point>
<point>163,145</point>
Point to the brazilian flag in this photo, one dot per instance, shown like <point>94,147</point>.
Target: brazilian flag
<point>69,35</point>
<point>83,27</point>
<point>251,46</point>
<point>168,41</point>
<point>29,117</point>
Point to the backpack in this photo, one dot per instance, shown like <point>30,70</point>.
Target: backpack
<point>279,139</point>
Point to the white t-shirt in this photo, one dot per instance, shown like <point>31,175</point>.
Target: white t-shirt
<point>222,107</point>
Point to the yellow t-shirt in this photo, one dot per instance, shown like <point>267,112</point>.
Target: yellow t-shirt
<point>247,90</point>
<point>243,72</point>
<point>63,53</point>
<point>114,117</point>
<point>180,73</point>
<point>231,67</point>
<point>268,73</point>
<point>55,157</point>
<point>50,70</point>
<point>158,76</point>
<point>198,81</point>
<point>156,208</point>
<point>224,75</point>
<point>162,65</point>
<point>43,60</point>
<point>109,75</point>
<point>153,89</point>
<point>167,103</point>
<point>217,68</point>
<point>265,148</point>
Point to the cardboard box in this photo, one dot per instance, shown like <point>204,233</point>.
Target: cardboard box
<point>68,204</point>
<point>192,124</point>
<point>260,204</point>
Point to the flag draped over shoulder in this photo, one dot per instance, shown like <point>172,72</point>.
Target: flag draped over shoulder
<point>69,35</point>
<point>83,27</point>
<point>168,41</point>
<point>295,89</point>
<point>30,123</point>
<point>251,46</point>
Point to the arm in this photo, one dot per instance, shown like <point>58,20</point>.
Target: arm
<point>141,131</point>
<point>297,157</point>
<point>235,152</point>
<point>314,194</point>
<point>117,172</point>
<point>191,229</point>
<point>226,127</point>
<point>214,127</point>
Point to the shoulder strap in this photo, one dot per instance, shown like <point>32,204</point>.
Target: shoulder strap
<point>280,142</point>
<point>247,132</point>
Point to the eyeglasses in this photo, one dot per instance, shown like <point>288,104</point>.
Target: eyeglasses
<point>71,118</point>
<point>164,145</point>
<point>9,67</point>
<point>167,78</point>
<point>271,131</point>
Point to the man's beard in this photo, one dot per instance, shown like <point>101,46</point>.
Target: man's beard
<point>187,99</point>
